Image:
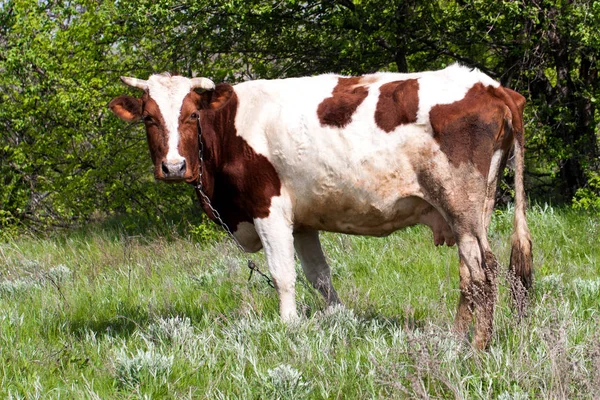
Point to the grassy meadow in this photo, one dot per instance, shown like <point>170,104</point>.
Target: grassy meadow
<point>102,314</point>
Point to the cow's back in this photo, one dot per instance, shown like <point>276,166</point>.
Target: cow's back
<point>348,150</point>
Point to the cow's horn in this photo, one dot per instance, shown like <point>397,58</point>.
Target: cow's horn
<point>134,82</point>
<point>203,83</point>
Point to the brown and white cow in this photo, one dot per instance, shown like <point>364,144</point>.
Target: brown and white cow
<point>368,155</point>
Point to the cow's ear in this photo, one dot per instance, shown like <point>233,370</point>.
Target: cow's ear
<point>127,108</point>
<point>217,98</point>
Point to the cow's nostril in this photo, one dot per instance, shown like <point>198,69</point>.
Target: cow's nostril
<point>173,170</point>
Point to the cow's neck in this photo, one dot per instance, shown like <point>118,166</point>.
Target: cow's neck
<point>210,162</point>
<point>218,132</point>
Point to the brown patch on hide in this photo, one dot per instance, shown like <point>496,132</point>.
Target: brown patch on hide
<point>516,104</point>
<point>239,182</point>
<point>398,104</point>
<point>469,130</point>
<point>188,135</point>
<point>131,109</point>
<point>337,110</point>
<point>156,134</point>
<point>517,98</point>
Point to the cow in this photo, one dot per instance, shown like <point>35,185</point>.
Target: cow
<point>281,160</point>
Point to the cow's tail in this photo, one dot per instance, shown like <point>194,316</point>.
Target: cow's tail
<point>521,259</point>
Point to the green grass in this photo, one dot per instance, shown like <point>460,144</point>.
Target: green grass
<point>98,314</point>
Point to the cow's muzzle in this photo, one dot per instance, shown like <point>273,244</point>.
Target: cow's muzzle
<point>173,170</point>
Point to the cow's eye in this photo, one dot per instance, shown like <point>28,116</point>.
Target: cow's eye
<point>194,115</point>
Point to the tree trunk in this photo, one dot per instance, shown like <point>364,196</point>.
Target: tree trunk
<point>401,27</point>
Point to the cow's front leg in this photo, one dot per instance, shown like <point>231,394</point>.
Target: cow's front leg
<point>275,232</point>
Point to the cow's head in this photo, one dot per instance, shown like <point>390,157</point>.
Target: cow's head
<point>169,108</point>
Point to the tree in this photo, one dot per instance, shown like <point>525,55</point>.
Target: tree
<point>548,51</point>
<point>64,157</point>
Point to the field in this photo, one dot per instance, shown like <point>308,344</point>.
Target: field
<point>99,314</point>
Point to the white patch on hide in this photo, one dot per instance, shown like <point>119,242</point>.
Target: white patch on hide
<point>494,166</point>
<point>168,92</point>
<point>275,232</point>
<point>247,236</point>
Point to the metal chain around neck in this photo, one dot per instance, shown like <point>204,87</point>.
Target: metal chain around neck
<point>198,186</point>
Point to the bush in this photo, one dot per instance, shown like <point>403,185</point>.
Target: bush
<point>133,369</point>
<point>588,198</point>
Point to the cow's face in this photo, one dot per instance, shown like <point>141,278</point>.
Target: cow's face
<point>169,110</point>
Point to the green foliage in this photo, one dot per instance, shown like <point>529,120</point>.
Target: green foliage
<point>66,160</point>
<point>588,198</point>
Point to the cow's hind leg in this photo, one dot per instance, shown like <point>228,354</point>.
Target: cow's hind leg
<point>478,274</point>
<point>314,264</point>
<point>464,314</point>
<point>275,232</point>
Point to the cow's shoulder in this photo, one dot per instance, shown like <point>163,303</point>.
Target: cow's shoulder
<point>243,180</point>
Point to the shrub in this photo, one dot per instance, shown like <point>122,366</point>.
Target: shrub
<point>588,198</point>
<point>287,382</point>
<point>143,366</point>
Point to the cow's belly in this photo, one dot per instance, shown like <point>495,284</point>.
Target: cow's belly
<point>370,199</point>
<point>374,194</point>
<point>359,180</point>
<point>353,216</point>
